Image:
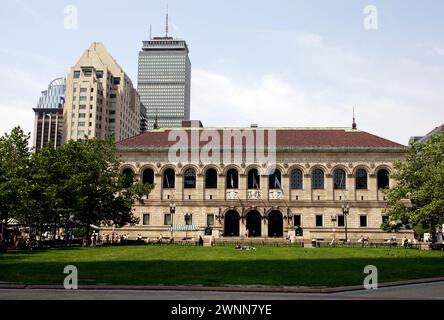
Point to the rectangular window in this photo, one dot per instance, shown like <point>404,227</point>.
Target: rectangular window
<point>188,219</point>
<point>146,219</point>
<point>112,95</point>
<point>87,72</point>
<point>81,124</point>
<point>81,115</point>
<point>363,221</point>
<point>99,74</point>
<point>76,74</point>
<point>82,107</point>
<point>341,221</point>
<point>297,220</point>
<point>210,220</point>
<point>167,219</point>
<point>116,81</point>
<point>83,89</point>
<point>82,98</point>
<point>319,220</point>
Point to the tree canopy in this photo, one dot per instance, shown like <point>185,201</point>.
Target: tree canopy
<point>420,179</point>
<point>77,184</point>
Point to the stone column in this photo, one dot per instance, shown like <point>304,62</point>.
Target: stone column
<point>307,186</point>
<point>286,187</point>
<point>243,186</point>
<point>200,186</point>
<point>178,190</point>
<point>221,186</point>
<point>351,194</point>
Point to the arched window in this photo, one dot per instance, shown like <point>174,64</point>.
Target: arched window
<point>232,179</point>
<point>383,179</point>
<point>296,179</point>
<point>361,179</point>
<point>211,179</point>
<point>148,176</point>
<point>317,179</point>
<point>169,179</point>
<point>254,181</point>
<point>274,180</point>
<point>128,177</point>
<point>339,179</point>
<point>189,179</point>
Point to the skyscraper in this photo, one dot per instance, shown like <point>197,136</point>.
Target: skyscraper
<point>100,99</point>
<point>164,81</point>
<point>48,122</point>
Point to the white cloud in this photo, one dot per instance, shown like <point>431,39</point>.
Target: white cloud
<point>439,51</point>
<point>16,115</point>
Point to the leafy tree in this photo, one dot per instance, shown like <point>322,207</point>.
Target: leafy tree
<point>98,192</point>
<point>420,178</point>
<point>14,166</point>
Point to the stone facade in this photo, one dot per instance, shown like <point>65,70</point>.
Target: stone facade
<point>272,212</point>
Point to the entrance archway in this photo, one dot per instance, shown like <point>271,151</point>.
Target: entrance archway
<point>275,224</point>
<point>254,223</point>
<point>231,224</point>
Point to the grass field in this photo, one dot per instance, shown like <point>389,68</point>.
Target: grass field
<point>218,266</point>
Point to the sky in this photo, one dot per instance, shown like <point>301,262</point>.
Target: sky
<point>275,63</point>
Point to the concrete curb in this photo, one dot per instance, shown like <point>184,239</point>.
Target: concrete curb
<point>223,289</point>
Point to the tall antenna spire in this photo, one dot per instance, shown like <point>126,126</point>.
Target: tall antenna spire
<point>354,126</point>
<point>166,26</point>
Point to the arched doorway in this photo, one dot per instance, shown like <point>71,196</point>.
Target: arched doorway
<point>275,224</point>
<point>231,224</point>
<point>254,223</point>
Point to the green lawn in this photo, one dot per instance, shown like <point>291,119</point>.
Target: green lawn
<point>217,266</point>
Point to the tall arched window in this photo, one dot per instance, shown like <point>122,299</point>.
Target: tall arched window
<point>317,179</point>
<point>254,181</point>
<point>383,179</point>
<point>148,176</point>
<point>211,179</point>
<point>296,179</point>
<point>232,180</point>
<point>128,177</point>
<point>361,179</point>
<point>169,179</point>
<point>339,179</point>
<point>274,180</point>
<point>189,179</point>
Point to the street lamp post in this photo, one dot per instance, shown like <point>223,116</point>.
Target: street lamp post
<point>187,223</point>
<point>345,212</point>
<point>172,212</point>
<point>333,219</point>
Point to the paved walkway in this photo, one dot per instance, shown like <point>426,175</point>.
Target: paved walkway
<point>434,290</point>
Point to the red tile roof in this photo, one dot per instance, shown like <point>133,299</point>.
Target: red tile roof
<point>286,139</point>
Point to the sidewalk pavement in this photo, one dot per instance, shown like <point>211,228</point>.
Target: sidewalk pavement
<point>225,288</point>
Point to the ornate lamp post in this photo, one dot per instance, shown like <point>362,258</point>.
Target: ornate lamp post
<point>172,212</point>
<point>187,223</point>
<point>333,219</point>
<point>345,212</point>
